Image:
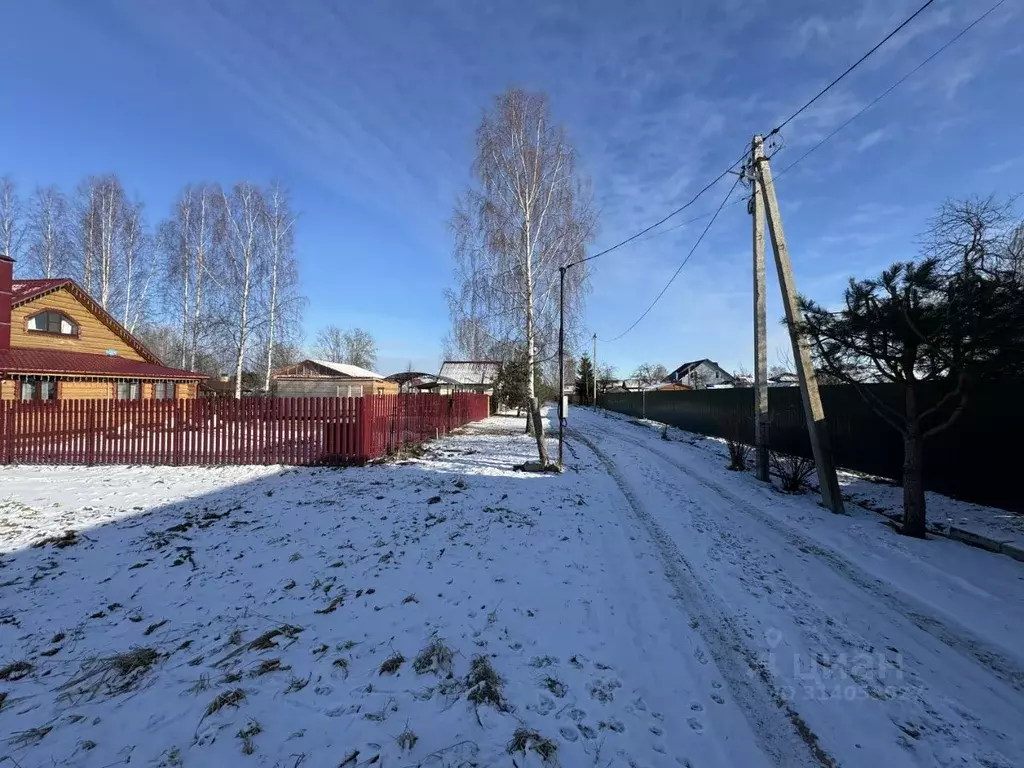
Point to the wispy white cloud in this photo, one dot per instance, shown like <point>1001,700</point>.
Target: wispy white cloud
<point>378,104</point>
<point>870,139</point>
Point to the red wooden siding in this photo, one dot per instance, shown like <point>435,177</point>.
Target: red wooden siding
<point>216,431</point>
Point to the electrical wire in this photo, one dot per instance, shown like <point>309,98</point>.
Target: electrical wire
<point>847,123</point>
<point>661,221</point>
<point>773,132</point>
<point>891,88</point>
<point>852,67</point>
<point>683,264</point>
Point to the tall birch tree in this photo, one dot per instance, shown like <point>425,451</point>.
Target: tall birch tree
<point>245,219</point>
<point>529,212</point>
<point>278,222</point>
<point>47,233</point>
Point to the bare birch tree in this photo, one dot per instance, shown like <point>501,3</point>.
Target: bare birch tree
<point>137,264</point>
<point>529,213</point>
<point>100,208</point>
<point>280,244</point>
<point>190,240</point>
<point>244,216</point>
<point>11,224</point>
<point>47,233</point>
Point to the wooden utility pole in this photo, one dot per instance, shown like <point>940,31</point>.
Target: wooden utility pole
<point>760,329</point>
<point>814,414</point>
<point>595,370</point>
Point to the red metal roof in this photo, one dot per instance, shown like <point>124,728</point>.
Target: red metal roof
<point>53,361</point>
<point>26,290</point>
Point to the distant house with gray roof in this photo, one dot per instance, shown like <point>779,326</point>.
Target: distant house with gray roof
<point>470,375</point>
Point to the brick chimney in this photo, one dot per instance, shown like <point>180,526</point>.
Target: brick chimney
<point>6,277</point>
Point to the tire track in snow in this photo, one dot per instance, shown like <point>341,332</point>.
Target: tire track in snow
<point>958,638</point>
<point>782,734</point>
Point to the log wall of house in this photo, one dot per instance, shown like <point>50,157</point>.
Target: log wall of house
<point>321,386</point>
<point>85,390</point>
<point>94,337</point>
<point>95,390</point>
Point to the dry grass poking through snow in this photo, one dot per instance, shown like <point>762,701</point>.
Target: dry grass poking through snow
<point>261,613</point>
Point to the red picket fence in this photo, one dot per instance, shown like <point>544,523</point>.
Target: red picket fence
<point>258,430</point>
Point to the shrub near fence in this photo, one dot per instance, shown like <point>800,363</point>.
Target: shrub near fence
<point>975,459</point>
<point>298,431</point>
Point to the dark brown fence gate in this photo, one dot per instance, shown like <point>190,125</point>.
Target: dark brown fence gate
<point>258,430</point>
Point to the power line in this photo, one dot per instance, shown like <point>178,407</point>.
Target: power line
<point>683,264</point>
<point>774,131</point>
<point>892,87</point>
<point>661,221</point>
<point>852,67</point>
<point>847,123</point>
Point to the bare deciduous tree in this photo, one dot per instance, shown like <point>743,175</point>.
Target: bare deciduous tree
<point>11,224</point>
<point>529,213</point>
<point>280,243</point>
<point>650,373</point>
<point>360,349</point>
<point>47,232</point>
<point>354,347</point>
<point>137,265</point>
<point>244,216</point>
<point>330,344</point>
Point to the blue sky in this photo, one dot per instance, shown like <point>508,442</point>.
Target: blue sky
<point>367,110</point>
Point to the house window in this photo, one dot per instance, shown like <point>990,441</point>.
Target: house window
<point>52,321</point>
<point>40,390</point>
<point>163,390</point>
<point>127,390</point>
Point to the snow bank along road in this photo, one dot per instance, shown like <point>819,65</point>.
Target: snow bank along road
<point>646,608</point>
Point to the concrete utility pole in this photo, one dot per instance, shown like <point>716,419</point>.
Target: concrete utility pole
<point>813,412</point>
<point>760,329</point>
<point>595,370</point>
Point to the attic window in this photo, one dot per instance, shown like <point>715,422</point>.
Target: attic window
<point>52,321</point>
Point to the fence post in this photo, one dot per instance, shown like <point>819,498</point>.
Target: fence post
<point>6,432</point>
<point>364,430</point>
<point>90,433</point>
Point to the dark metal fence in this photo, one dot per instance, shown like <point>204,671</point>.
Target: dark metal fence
<point>976,459</point>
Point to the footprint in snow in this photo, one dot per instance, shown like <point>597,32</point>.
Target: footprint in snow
<point>717,699</point>
<point>576,714</point>
<point>695,724</point>
<point>569,734</point>
<point>544,704</point>
<point>695,707</point>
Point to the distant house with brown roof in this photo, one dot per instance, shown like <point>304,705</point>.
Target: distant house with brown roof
<point>58,343</point>
<point>323,378</point>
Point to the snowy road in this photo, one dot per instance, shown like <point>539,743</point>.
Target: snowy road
<point>645,608</point>
<point>885,651</point>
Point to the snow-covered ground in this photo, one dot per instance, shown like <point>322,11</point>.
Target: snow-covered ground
<point>645,608</point>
